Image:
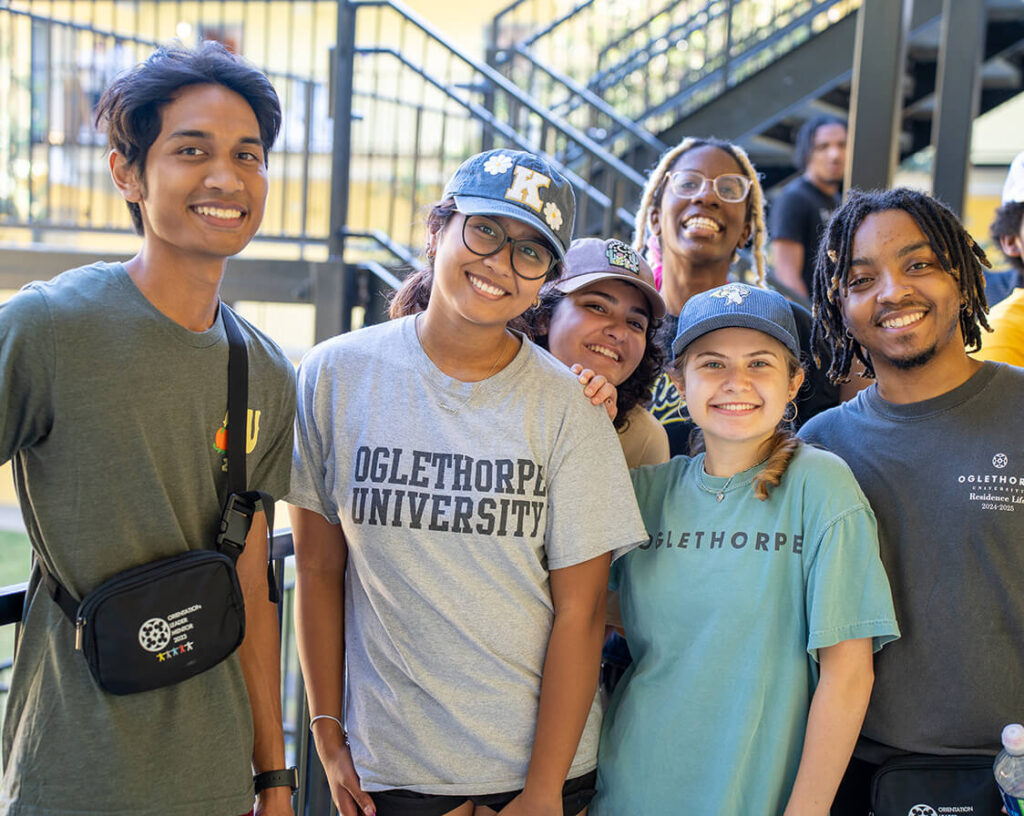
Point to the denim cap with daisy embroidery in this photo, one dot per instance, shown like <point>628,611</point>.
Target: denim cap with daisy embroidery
<point>517,185</point>
<point>736,305</point>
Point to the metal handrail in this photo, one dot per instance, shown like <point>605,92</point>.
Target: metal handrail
<point>595,101</point>
<point>549,118</point>
<point>509,133</point>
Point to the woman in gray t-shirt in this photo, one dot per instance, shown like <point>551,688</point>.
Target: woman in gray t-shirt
<point>450,549</point>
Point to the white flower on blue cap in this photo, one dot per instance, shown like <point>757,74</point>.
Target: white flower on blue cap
<point>498,164</point>
<point>734,293</point>
<point>553,216</point>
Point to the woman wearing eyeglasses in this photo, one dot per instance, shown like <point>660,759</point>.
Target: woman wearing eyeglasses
<point>701,205</point>
<point>451,563</point>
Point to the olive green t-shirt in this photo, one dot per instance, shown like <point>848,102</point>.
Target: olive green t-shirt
<point>110,411</point>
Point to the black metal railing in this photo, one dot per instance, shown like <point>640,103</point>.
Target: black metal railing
<point>657,60</point>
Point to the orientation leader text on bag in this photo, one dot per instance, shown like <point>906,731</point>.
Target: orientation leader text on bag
<point>927,785</point>
<point>168,620</point>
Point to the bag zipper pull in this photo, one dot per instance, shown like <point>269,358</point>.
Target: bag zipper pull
<point>79,626</point>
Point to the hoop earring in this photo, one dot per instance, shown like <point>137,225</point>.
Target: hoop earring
<point>789,415</point>
<point>536,302</point>
<point>849,334</point>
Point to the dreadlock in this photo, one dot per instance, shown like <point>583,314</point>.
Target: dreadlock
<point>958,253</point>
<point>651,198</point>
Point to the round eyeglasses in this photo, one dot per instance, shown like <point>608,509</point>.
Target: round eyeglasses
<point>730,187</point>
<point>531,259</point>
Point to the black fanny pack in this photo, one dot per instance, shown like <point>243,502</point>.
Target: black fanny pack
<point>165,621</point>
<point>927,785</point>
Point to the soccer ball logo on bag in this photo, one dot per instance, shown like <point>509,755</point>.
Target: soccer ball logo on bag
<point>154,634</point>
<point>922,810</point>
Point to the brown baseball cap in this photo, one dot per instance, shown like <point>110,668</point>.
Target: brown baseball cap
<point>593,259</point>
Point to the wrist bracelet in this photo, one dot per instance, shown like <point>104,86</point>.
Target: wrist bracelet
<point>344,733</point>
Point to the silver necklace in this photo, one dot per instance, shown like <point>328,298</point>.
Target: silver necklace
<point>454,409</point>
<point>719,493</point>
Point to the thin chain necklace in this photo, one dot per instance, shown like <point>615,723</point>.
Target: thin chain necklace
<point>454,409</point>
<point>719,492</point>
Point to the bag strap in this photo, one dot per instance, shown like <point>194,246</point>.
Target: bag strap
<point>238,398</point>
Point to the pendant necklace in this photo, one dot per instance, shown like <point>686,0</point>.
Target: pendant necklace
<point>454,409</point>
<point>719,493</point>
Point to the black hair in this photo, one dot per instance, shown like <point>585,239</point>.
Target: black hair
<point>130,106</point>
<point>1007,225</point>
<point>957,252</point>
<point>414,294</point>
<point>805,137</point>
<point>636,389</point>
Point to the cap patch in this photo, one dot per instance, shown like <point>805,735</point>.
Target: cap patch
<point>553,216</point>
<point>734,293</point>
<point>525,187</point>
<point>498,165</point>
<point>622,255</point>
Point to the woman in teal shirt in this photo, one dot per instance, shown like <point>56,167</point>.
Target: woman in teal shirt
<point>753,611</point>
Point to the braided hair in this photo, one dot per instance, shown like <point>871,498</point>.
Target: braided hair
<point>651,199</point>
<point>958,253</point>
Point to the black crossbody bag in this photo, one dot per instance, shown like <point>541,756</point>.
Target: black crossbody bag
<point>165,621</point>
<point>925,785</point>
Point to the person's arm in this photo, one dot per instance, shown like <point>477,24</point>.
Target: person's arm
<point>321,554</point>
<point>597,389</point>
<point>788,263</point>
<point>836,715</point>
<point>568,684</point>
<point>260,656</point>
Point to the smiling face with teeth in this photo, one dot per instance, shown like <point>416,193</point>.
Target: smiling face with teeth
<point>702,230</point>
<point>204,183</point>
<point>483,291</point>
<point>603,327</point>
<point>899,302</point>
<point>736,383</point>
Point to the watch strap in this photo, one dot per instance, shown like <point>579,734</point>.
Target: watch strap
<point>284,778</point>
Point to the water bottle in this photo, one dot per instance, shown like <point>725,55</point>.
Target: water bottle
<point>1009,769</point>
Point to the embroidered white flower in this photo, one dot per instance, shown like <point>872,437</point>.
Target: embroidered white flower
<point>553,216</point>
<point>498,164</point>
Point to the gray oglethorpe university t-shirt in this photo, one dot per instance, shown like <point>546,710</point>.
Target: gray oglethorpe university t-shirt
<point>453,521</point>
<point>945,478</point>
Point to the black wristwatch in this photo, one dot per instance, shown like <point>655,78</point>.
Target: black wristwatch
<point>286,778</point>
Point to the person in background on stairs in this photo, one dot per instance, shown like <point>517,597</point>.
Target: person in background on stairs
<point>701,204</point>
<point>753,610</point>
<point>456,507</point>
<point>799,215</point>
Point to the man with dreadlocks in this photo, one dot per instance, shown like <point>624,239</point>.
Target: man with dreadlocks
<point>936,446</point>
<point>701,204</point>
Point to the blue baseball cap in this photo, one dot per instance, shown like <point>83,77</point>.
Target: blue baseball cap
<point>517,185</point>
<point>737,305</point>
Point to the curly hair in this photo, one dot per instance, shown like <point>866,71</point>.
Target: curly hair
<point>1007,225</point>
<point>636,389</point>
<point>655,186</point>
<point>958,253</point>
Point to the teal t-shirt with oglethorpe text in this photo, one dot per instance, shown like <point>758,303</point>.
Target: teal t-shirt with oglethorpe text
<point>725,608</point>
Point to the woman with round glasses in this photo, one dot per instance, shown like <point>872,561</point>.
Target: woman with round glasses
<point>451,569</point>
<point>703,203</point>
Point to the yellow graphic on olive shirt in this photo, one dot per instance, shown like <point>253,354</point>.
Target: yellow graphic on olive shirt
<point>252,432</point>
